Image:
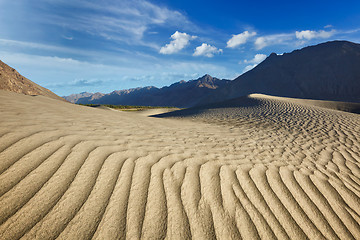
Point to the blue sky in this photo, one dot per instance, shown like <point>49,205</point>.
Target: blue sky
<point>105,45</point>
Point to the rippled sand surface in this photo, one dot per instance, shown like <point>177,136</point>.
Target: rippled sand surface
<point>255,167</point>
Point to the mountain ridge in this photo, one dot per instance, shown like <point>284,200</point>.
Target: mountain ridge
<point>179,94</point>
<point>11,80</point>
<point>327,71</point>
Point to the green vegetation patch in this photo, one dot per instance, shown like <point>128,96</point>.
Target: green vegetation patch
<point>125,107</point>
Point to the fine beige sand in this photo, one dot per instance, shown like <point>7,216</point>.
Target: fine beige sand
<point>257,167</point>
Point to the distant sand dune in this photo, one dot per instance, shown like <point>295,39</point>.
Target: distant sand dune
<point>256,167</point>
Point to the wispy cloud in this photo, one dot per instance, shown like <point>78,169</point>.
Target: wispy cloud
<point>125,20</point>
<point>67,38</point>
<point>31,45</point>
<point>350,31</point>
<point>308,34</point>
<point>78,83</point>
<point>62,52</point>
<point>239,39</point>
<point>274,39</point>
<point>180,41</point>
<point>206,50</point>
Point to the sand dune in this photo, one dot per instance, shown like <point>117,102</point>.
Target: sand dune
<point>257,167</point>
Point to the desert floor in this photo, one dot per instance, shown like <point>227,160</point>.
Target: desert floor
<point>258,167</point>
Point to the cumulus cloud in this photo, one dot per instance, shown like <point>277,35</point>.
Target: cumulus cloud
<point>274,39</point>
<point>308,34</point>
<point>206,50</point>
<point>239,39</point>
<point>258,58</point>
<point>180,40</point>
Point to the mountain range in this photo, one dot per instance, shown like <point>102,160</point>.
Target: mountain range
<point>179,94</point>
<point>327,71</point>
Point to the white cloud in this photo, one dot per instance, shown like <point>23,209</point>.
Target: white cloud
<point>48,49</point>
<point>67,38</point>
<point>308,34</point>
<point>329,26</point>
<point>120,21</point>
<point>180,40</point>
<point>249,67</point>
<point>260,42</point>
<point>351,31</point>
<point>274,39</point>
<point>206,50</point>
<point>239,39</point>
<point>258,58</point>
<point>290,38</point>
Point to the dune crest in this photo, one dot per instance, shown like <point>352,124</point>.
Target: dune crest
<point>256,168</point>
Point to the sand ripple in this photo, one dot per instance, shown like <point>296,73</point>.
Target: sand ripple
<point>261,167</point>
